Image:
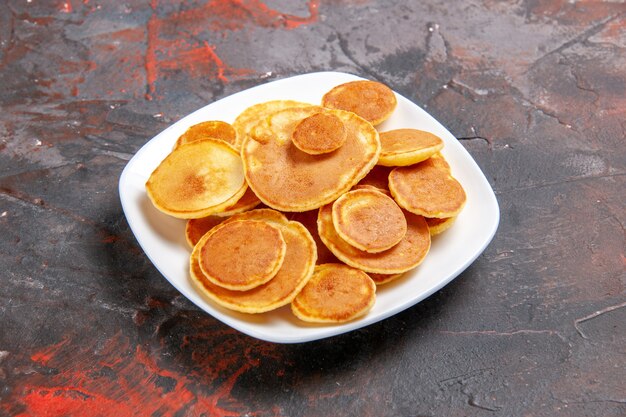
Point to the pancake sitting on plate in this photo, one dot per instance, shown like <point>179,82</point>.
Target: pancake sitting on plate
<point>319,133</point>
<point>402,147</point>
<point>287,179</point>
<point>248,201</point>
<point>335,293</point>
<point>309,220</point>
<point>437,226</point>
<point>215,129</point>
<point>381,279</point>
<point>257,112</point>
<point>196,228</point>
<point>427,189</point>
<point>368,220</point>
<point>293,274</point>
<point>406,255</point>
<point>242,255</point>
<point>197,179</point>
<point>371,100</point>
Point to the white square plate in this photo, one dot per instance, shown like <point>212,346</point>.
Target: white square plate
<point>162,237</point>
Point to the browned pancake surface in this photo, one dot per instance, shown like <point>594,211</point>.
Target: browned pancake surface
<point>371,100</point>
<point>319,133</point>
<point>196,228</point>
<point>335,293</point>
<point>215,129</point>
<point>403,147</point>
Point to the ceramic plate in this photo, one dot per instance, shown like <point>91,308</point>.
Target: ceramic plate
<point>163,239</point>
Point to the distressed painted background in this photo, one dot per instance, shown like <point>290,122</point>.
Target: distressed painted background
<point>534,89</point>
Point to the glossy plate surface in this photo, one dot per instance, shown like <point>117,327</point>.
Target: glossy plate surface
<point>163,238</point>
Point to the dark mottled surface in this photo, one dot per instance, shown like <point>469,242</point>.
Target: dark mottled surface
<point>534,89</point>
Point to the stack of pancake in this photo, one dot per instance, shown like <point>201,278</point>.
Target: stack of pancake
<point>344,208</point>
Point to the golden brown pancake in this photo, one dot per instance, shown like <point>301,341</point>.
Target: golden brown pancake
<point>437,226</point>
<point>254,114</point>
<point>309,220</point>
<point>427,189</point>
<point>248,201</point>
<point>371,100</point>
<point>368,220</point>
<point>196,228</point>
<point>319,133</point>
<point>242,255</point>
<point>335,293</point>
<point>381,279</point>
<point>402,147</point>
<point>407,254</point>
<point>263,214</point>
<point>197,179</point>
<point>439,161</point>
<point>212,129</point>
<point>294,273</point>
<point>377,177</point>
<point>287,179</point>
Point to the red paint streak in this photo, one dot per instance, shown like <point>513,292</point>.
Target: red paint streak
<point>151,61</point>
<point>45,355</point>
<point>66,7</point>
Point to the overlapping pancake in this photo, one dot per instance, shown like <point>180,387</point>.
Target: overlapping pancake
<point>263,214</point>
<point>309,220</point>
<point>402,147</point>
<point>406,255</point>
<point>427,189</point>
<point>241,255</point>
<point>377,177</point>
<point>257,112</point>
<point>439,161</point>
<point>294,273</point>
<point>368,220</point>
<point>285,178</point>
<point>335,293</point>
<point>371,100</point>
<point>319,133</point>
<point>248,201</point>
<point>215,129</point>
<point>437,226</point>
<point>381,279</point>
<point>197,179</point>
<point>196,228</point>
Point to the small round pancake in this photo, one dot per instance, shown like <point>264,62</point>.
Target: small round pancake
<point>319,133</point>
<point>368,220</point>
<point>437,226</point>
<point>287,179</point>
<point>215,129</point>
<point>197,179</point>
<point>196,228</point>
<point>242,255</point>
<point>255,113</point>
<point>248,201</point>
<point>294,273</point>
<point>381,279</point>
<point>402,147</point>
<point>427,189</point>
<point>407,254</point>
<point>335,293</point>
<point>371,100</point>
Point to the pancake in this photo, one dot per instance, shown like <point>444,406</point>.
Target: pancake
<point>196,228</point>
<point>319,133</point>
<point>197,179</point>
<point>381,279</point>
<point>242,255</point>
<point>368,220</point>
<point>263,214</point>
<point>406,255</point>
<point>371,100</point>
<point>377,177</point>
<point>254,114</point>
<point>248,201</point>
<point>402,147</point>
<point>427,189</point>
<point>439,161</point>
<point>287,179</point>
<point>294,273</point>
<point>211,129</point>
<point>335,293</point>
<point>437,226</point>
<point>309,220</point>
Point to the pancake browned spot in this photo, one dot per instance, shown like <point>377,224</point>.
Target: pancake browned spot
<point>335,293</point>
<point>406,255</point>
<point>319,133</point>
<point>371,100</point>
<point>214,129</point>
<point>427,189</point>
<point>402,147</point>
<point>197,179</point>
<point>368,220</point>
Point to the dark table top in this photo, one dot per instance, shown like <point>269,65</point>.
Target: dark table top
<point>534,90</point>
